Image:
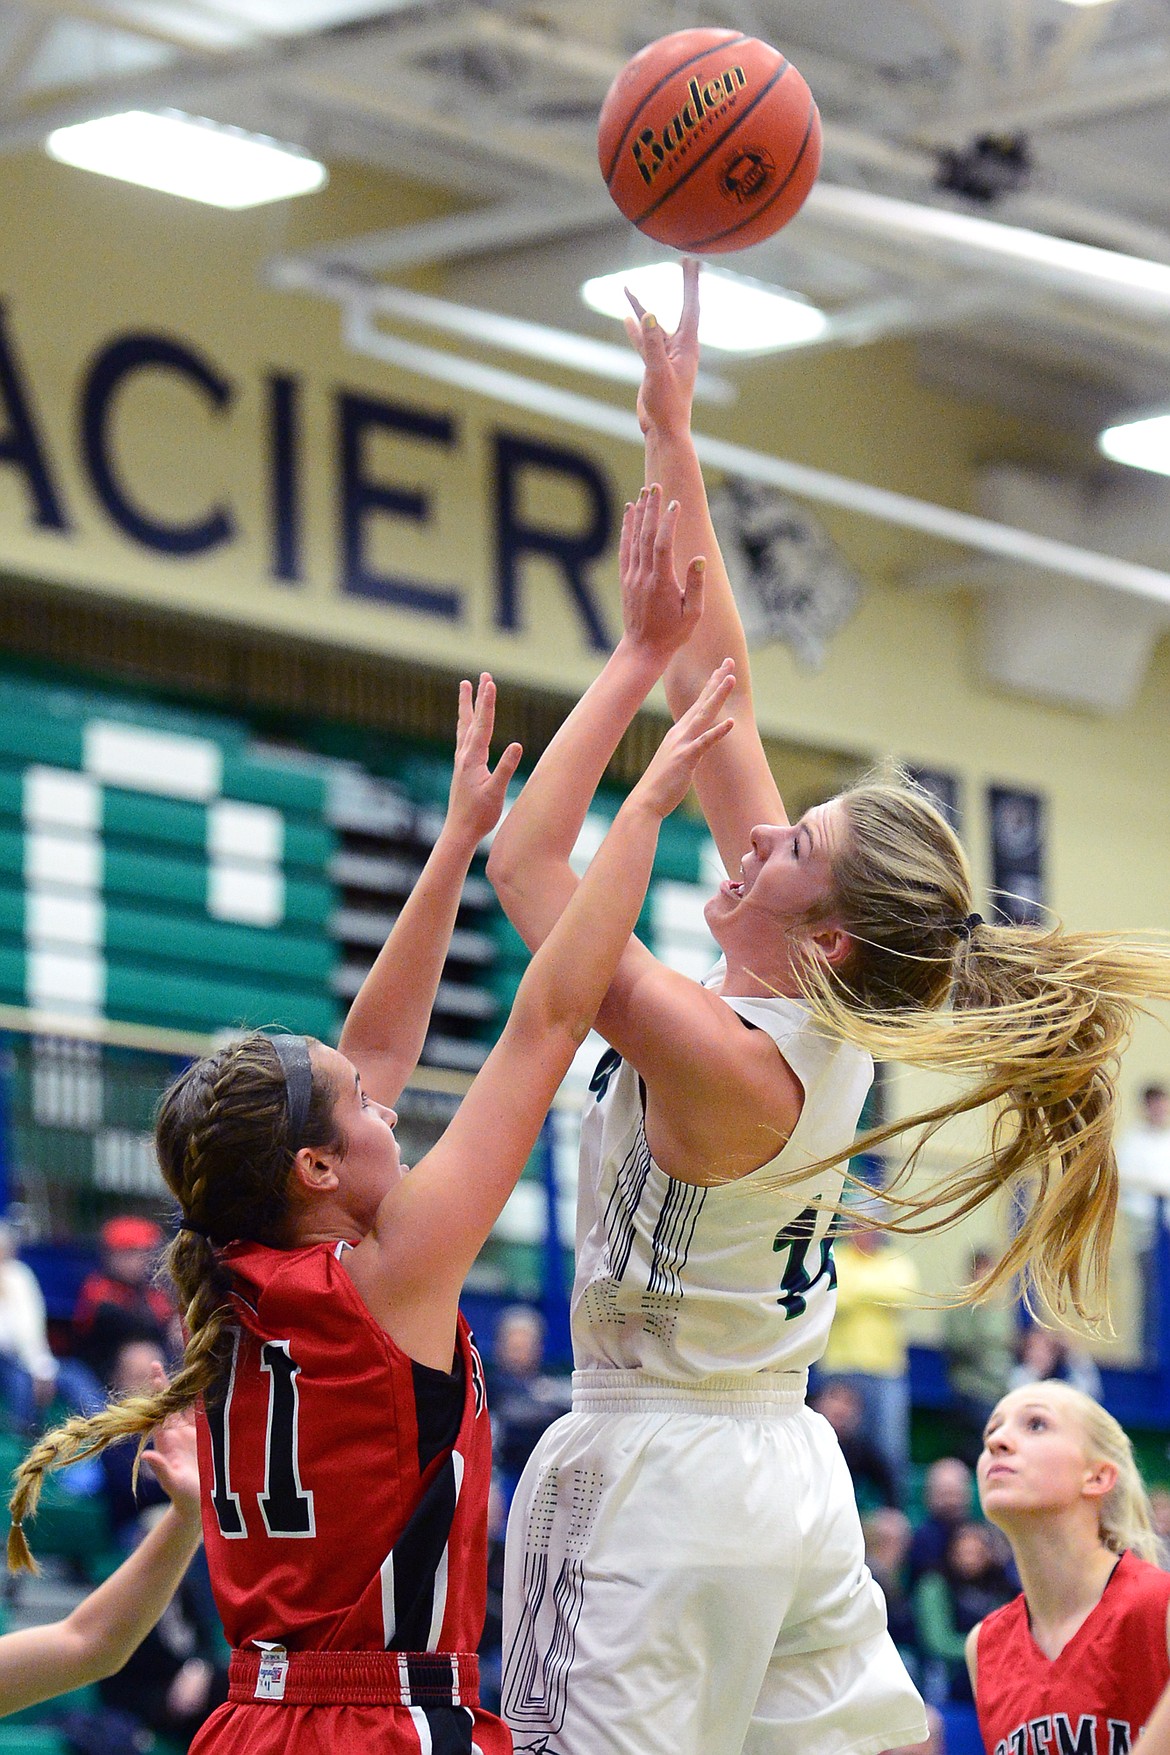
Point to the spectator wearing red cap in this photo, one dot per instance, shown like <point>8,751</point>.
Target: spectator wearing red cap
<point>119,1301</point>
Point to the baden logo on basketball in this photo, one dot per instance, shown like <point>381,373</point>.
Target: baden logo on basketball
<point>747,173</point>
<point>708,140</point>
<point>650,150</point>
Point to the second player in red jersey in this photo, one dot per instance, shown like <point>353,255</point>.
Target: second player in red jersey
<point>345,1453</point>
<point>1076,1664</point>
<point>389,1523</point>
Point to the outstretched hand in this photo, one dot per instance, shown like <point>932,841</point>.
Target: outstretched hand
<point>477,791</point>
<point>671,361</point>
<point>668,777</point>
<point>658,615</point>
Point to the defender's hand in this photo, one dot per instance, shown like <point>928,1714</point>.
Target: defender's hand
<point>658,616</point>
<point>667,780</point>
<point>477,791</point>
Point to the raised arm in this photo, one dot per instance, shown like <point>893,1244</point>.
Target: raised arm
<point>430,1228</point>
<point>387,1023</point>
<point>736,788</point>
<point>529,860</point>
<point>99,1635</point>
<point>719,1099</point>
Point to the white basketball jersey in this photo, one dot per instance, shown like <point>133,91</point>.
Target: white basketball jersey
<point>685,1282</point>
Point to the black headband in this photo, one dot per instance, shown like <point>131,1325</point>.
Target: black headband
<point>293,1053</point>
<point>966,927</point>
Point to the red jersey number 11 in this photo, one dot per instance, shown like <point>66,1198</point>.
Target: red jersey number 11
<point>285,1506</point>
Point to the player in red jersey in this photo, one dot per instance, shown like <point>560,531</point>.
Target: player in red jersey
<point>345,1449</point>
<point>1078,1662</point>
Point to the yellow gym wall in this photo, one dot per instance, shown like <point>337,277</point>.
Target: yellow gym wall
<point>87,259</point>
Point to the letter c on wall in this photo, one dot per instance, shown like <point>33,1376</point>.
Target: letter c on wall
<point>116,363</point>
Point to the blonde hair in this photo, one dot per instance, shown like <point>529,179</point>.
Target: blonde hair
<point>1125,1519</point>
<point>222,1137</point>
<point>1033,1017</point>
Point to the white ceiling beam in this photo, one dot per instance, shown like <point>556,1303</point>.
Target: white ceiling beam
<point>558,347</point>
<point>190,76</point>
<point>1105,278</point>
<point>159,24</point>
<point>1063,559</point>
<point>1143,84</point>
<point>962,44</point>
<point>500,226</point>
<point>23,44</point>
<point>1083,29</point>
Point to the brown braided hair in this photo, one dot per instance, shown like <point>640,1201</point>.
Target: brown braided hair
<point>222,1138</point>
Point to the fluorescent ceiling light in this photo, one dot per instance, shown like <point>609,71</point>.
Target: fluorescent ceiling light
<point>189,156</point>
<point>737,315</point>
<point>1086,2</point>
<point>1143,444</point>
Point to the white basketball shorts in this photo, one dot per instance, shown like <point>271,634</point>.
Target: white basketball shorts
<point>685,1575</point>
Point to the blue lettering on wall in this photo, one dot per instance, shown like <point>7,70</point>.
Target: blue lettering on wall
<point>361,497</point>
<point>20,444</point>
<point>284,484</point>
<point>570,551</point>
<point>110,370</point>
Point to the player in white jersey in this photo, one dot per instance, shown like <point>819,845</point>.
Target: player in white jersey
<point>684,1567</point>
<point>684,1545</point>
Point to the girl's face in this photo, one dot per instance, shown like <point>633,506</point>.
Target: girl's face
<point>371,1164</point>
<point>785,872</point>
<point>1035,1457</point>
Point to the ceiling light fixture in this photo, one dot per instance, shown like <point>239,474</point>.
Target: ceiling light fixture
<point>1143,444</point>
<point>738,315</point>
<point>189,156</point>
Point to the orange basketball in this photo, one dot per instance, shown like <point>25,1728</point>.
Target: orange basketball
<point>709,140</point>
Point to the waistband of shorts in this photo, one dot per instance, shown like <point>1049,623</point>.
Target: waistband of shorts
<point>360,1678</point>
<point>763,1395</point>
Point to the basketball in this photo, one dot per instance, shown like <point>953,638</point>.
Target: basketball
<point>709,140</point>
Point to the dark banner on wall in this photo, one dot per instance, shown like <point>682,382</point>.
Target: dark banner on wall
<point>943,789</point>
<point>1018,893</point>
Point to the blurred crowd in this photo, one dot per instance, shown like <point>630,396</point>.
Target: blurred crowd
<point>122,1323</point>
<point>942,1568</point>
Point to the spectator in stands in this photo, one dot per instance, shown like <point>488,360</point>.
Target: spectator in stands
<point>28,1370</point>
<point>523,1398</point>
<point>979,1341</point>
<point>99,1635</point>
<point>876,1283</point>
<point>131,1374</point>
<point>947,1494</point>
<point>179,1672</point>
<point>972,1581</point>
<point>120,1302</point>
<point>887,1548</point>
<point>1045,1355</point>
<point>873,1479</point>
<point>1143,1163</point>
<point>30,1376</point>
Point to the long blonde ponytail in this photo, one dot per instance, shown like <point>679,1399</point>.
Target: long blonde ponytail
<point>1033,1018</point>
